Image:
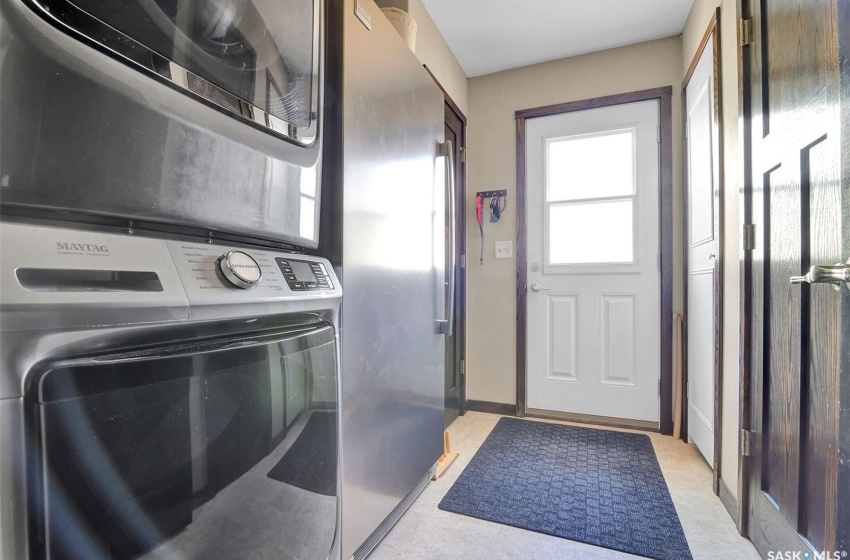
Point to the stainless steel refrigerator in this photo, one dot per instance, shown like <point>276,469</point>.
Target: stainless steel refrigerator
<point>385,223</point>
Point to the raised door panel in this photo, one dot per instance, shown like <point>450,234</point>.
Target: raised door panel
<point>618,336</point>
<point>562,339</point>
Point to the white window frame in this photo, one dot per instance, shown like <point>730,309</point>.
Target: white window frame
<point>592,268</point>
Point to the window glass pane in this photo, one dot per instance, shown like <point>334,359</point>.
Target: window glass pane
<point>596,232</point>
<point>591,166</point>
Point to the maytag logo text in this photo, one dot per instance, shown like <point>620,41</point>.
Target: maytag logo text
<point>81,247</point>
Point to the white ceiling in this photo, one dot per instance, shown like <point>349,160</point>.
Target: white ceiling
<point>492,35</point>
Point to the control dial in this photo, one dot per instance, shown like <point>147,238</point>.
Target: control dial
<point>240,269</point>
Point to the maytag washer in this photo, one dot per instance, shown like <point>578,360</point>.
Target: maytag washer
<point>165,399</point>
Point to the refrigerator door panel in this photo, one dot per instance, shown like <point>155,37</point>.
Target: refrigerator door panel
<point>394,230</point>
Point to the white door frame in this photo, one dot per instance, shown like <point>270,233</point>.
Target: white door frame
<point>712,33</point>
<point>664,96</point>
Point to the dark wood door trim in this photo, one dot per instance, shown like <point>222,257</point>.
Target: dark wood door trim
<point>521,267</point>
<point>745,266</point>
<point>448,97</point>
<point>664,95</point>
<point>461,229</point>
<point>712,31</point>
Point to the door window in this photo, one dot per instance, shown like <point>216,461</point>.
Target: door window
<point>590,198</point>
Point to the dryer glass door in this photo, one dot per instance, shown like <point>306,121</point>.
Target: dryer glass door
<point>216,449</point>
<point>257,58</point>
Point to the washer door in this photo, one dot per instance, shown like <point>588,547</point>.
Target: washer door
<point>224,448</point>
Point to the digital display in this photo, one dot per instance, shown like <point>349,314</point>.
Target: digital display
<point>303,272</point>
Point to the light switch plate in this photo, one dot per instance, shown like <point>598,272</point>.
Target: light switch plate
<point>504,249</point>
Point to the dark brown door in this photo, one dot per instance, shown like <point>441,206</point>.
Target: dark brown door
<point>455,125</point>
<point>800,332</point>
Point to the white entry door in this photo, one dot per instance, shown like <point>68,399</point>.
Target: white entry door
<point>701,141</point>
<point>593,311</point>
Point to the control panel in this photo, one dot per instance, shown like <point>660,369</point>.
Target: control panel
<point>303,275</point>
<point>83,278</point>
<point>211,272</point>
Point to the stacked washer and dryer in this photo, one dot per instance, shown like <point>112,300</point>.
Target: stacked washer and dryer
<point>180,375</point>
<point>169,358</point>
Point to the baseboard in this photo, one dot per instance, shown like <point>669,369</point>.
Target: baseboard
<point>729,502</point>
<point>491,407</point>
<point>590,419</point>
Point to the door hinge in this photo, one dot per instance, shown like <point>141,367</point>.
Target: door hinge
<point>745,31</point>
<point>659,387</point>
<point>659,261</point>
<point>746,443</point>
<point>463,261</point>
<point>463,367</point>
<point>462,154</point>
<point>749,237</point>
<point>658,134</point>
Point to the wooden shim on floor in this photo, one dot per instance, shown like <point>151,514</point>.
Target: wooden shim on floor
<point>448,457</point>
<point>677,413</point>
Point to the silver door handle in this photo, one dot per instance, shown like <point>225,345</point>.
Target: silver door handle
<point>825,274</point>
<point>447,151</point>
<point>538,287</point>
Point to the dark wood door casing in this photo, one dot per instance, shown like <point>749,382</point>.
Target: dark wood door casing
<point>745,270</point>
<point>664,96</point>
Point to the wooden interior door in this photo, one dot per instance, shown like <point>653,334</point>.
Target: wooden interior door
<point>799,333</point>
<point>455,130</point>
<point>702,267</point>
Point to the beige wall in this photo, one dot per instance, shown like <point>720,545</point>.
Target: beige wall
<point>491,164</point>
<point>490,102</point>
<point>433,51</point>
<point>697,23</point>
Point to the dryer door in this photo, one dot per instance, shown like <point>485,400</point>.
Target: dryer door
<point>218,449</point>
<point>197,116</point>
<point>263,53</point>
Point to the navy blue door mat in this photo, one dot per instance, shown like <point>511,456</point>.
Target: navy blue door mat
<point>310,464</point>
<point>594,486</point>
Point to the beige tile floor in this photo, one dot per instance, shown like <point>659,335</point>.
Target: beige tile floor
<point>426,532</point>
